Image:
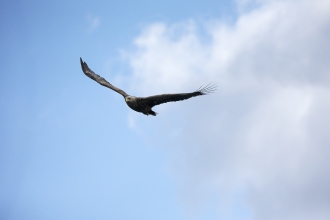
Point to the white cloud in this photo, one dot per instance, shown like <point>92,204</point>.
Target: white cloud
<point>260,144</point>
<point>93,22</point>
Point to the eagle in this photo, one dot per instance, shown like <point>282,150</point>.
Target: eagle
<point>145,104</point>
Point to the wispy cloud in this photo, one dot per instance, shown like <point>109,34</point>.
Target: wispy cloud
<point>264,134</point>
<point>93,22</point>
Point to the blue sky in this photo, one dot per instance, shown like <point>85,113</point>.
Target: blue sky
<point>67,151</point>
<point>256,149</point>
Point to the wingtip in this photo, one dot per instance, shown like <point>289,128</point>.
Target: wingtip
<point>208,89</point>
<point>82,64</point>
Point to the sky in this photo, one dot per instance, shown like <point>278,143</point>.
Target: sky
<point>256,149</point>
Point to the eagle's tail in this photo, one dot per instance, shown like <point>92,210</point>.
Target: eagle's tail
<point>151,112</point>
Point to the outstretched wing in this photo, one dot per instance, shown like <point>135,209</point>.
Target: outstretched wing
<point>88,72</point>
<point>160,99</point>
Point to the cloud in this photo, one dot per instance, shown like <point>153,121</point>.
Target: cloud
<point>93,22</point>
<point>258,148</point>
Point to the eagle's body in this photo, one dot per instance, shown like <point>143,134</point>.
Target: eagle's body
<point>138,105</point>
<point>145,104</point>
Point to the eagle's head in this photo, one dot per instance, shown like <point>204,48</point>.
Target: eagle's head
<point>131,101</point>
<point>130,98</point>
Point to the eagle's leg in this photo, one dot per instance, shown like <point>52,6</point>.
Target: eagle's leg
<point>147,111</point>
<point>151,112</point>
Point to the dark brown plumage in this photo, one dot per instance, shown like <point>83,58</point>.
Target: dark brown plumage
<point>145,104</point>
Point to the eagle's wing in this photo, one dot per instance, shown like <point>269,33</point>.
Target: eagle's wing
<point>88,72</point>
<point>160,99</point>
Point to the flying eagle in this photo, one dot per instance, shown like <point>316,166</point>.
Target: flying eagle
<point>144,104</point>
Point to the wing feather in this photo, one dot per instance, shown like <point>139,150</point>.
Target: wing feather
<point>88,72</point>
<point>160,99</point>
